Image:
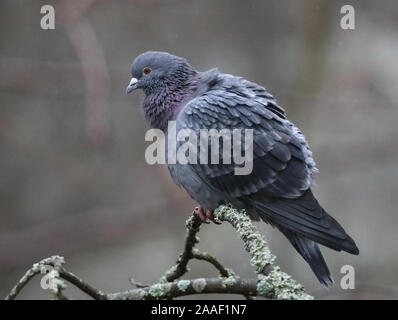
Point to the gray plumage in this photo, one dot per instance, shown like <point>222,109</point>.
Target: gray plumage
<point>278,190</point>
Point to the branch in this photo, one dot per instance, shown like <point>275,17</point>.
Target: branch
<point>224,272</point>
<point>271,282</point>
<point>83,286</point>
<point>169,290</point>
<point>50,265</point>
<point>193,226</point>
<point>54,265</point>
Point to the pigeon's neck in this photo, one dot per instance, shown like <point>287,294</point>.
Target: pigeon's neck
<point>163,105</point>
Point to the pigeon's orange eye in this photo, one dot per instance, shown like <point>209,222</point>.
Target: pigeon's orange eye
<point>147,71</point>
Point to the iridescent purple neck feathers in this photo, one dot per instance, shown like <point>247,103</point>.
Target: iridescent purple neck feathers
<point>165,97</point>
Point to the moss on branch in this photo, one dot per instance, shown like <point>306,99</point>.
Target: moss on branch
<point>270,283</point>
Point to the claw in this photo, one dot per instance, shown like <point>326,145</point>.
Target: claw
<point>202,215</point>
<point>209,214</point>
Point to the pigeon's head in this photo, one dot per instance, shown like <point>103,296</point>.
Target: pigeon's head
<point>153,71</point>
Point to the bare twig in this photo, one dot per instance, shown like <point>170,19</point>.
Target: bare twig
<point>193,226</point>
<point>83,286</point>
<point>224,272</point>
<point>137,284</point>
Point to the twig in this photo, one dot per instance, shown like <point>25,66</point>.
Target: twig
<point>193,226</point>
<point>255,245</point>
<point>224,272</point>
<point>181,288</point>
<point>137,284</point>
<point>83,286</point>
<point>56,285</point>
<point>53,266</point>
<point>271,282</point>
<point>22,282</point>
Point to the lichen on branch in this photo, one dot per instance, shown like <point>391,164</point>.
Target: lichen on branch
<point>270,282</point>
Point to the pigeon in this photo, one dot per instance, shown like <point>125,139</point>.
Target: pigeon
<point>278,188</point>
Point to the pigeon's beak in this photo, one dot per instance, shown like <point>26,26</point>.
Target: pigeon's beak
<point>132,85</point>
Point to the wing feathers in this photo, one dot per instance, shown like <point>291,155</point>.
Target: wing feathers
<point>305,216</point>
<point>278,188</point>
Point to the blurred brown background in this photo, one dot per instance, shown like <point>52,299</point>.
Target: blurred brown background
<point>73,178</point>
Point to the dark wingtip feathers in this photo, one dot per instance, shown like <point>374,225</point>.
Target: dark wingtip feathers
<point>351,246</point>
<point>311,253</point>
<point>304,222</point>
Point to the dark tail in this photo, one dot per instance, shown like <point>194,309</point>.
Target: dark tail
<point>304,222</point>
<point>309,250</point>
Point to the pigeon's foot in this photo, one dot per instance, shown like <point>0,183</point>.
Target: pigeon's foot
<point>209,214</point>
<point>202,215</point>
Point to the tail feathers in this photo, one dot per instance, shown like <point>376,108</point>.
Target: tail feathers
<point>305,223</point>
<point>307,218</point>
<point>309,250</point>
